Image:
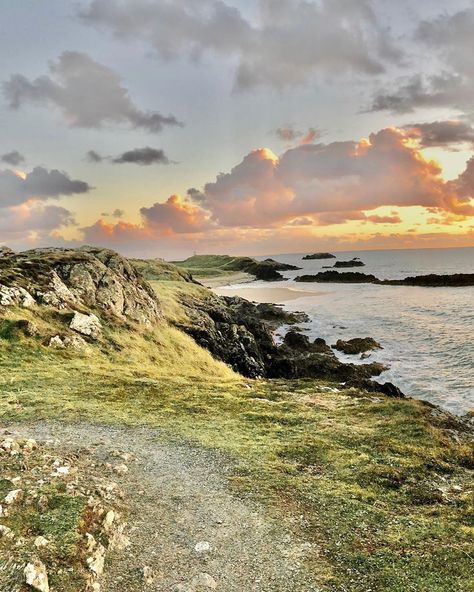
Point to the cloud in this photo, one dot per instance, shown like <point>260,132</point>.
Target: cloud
<point>332,180</point>
<point>39,184</point>
<point>175,215</point>
<point>32,221</point>
<point>375,219</point>
<point>88,94</point>
<point>94,157</point>
<point>449,39</point>
<point>441,133</point>
<point>14,158</point>
<point>289,134</point>
<point>118,213</point>
<point>292,40</point>
<point>142,156</point>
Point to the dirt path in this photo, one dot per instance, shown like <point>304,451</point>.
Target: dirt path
<point>184,523</point>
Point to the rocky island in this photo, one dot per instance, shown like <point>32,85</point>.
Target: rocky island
<point>318,256</point>
<point>125,381</point>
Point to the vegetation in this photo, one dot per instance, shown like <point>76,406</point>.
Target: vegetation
<point>381,487</point>
<point>202,266</point>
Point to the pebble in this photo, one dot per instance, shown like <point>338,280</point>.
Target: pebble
<point>202,547</point>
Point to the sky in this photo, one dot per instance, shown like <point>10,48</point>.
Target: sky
<point>160,128</point>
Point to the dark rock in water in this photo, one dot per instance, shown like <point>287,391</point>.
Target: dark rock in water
<point>319,256</point>
<point>320,346</point>
<point>356,262</point>
<point>358,345</point>
<point>277,266</point>
<point>267,273</point>
<point>296,341</point>
<point>274,314</point>
<point>356,277</point>
<point>434,280</point>
<point>349,277</point>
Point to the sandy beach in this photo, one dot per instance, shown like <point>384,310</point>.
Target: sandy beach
<point>226,280</point>
<point>265,294</point>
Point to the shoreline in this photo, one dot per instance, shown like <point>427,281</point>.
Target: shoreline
<point>266,294</point>
<point>240,277</point>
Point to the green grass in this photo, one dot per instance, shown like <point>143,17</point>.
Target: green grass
<point>202,266</point>
<point>381,487</point>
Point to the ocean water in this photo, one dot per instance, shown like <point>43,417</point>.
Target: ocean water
<point>427,333</point>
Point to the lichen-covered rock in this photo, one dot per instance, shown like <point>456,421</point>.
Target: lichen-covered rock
<point>94,278</point>
<point>15,296</point>
<point>88,325</point>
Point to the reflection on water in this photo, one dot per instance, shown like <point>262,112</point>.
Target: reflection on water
<point>427,333</point>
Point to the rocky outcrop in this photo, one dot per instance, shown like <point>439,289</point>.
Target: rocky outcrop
<point>433,280</point>
<point>89,277</point>
<point>355,262</point>
<point>240,333</point>
<point>280,266</point>
<point>455,280</point>
<point>319,256</point>
<point>358,345</point>
<point>347,277</point>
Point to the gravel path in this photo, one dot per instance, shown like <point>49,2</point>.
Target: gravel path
<point>184,523</point>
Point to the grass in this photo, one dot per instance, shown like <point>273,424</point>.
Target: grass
<point>202,266</point>
<point>382,488</point>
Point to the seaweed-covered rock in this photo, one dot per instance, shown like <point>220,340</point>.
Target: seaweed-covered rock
<point>358,345</point>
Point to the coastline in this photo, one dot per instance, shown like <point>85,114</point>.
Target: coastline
<point>266,294</point>
<point>239,277</point>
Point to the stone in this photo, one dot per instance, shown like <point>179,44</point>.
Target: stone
<point>15,296</point>
<point>202,547</point>
<point>36,576</point>
<point>120,469</point>
<point>108,522</point>
<point>56,342</point>
<point>30,445</point>
<point>14,496</point>
<point>88,325</point>
<point>358,345</point>
<point>204,580</point>
<point>10,445</point>
<point>41,541</point>
<point>148,575</point>
<point>96,561</point>
<point>6,532</point>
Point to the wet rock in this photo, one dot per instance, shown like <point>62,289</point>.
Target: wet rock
<point>36,576</point>
<point>347,277</point>
<point>88,325</point>
<point>357,345</point>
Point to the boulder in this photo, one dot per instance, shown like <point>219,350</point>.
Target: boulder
<point>15,296</point>
<point>358,345</point>
<point>88,325</point>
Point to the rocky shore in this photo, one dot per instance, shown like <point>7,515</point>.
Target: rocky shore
<point>356,277</point>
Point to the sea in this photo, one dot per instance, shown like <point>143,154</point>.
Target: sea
<point>427,334</point>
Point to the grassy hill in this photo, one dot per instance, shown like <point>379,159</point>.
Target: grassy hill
<point>381,487</point>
